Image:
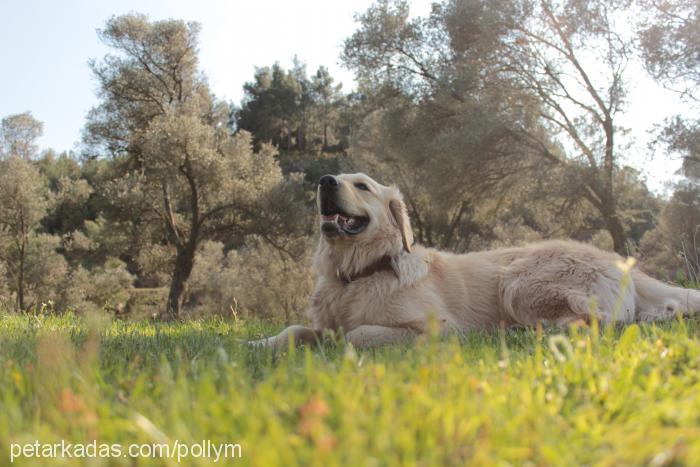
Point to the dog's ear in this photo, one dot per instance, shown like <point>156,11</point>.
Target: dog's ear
<point>400,215</point>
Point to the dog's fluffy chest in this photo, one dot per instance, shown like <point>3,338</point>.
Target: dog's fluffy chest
<point>369,300</point>
<point>336,305</point>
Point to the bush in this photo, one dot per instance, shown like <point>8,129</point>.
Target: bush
<point>256,280</point>
<point>672,249</point>
<point>105,287</point>
<point>45,271</point>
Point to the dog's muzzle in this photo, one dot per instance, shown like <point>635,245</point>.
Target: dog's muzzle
<point>334,220</point>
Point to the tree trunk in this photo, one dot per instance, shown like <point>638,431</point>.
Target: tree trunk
<point>617,232</point>
<point>183,267</point>
<point>612,220</point>
<point>20,279</point>
<point>613,224</point>
<point>325,136</point>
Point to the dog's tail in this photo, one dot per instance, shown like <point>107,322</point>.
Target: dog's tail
<point>658,301</point>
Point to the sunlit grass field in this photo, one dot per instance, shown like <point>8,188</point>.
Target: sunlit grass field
<point>623,396</point>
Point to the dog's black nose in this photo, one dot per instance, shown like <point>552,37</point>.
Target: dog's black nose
<point>328,181</point>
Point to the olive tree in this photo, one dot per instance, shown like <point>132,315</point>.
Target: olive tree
<point>572,55</point>
<point>669,39</point>
<point>22,206</point>
<point>169,140</point>
<point>506,80</point>
<point>18,134</point>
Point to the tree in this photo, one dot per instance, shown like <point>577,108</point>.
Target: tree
<point>572,57</point>
<point>442,117</point>
<point>672,249</point>
<point>681,135</point>
<point>289,110</point>
<point>271,107</point>
<point>531,59</point>
<point>202,184</point>
<point>669,35</point>
<point>18,134</point>
<point>70,193</point>
<point>327,98</point>
<point>22,206</point>
<point>169,138</point>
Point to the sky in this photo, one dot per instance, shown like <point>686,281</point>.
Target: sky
<point>47,44</point>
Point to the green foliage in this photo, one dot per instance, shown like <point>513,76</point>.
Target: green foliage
<point>625,397</point>
<point>485,92</point>
<point>18,134</point>
<point>672,249</point>
<point>291,111</point>
<point>71,192</point>
<point>105,287</point>
<point>438,122</point>
<point>177,168</point>
<point>681,135</point>
<point>669,38</point>
<point>669,34</point>
<point>257,280</point>
<point>44,270</point>
<point>22,196</point>
<point>31,258</point>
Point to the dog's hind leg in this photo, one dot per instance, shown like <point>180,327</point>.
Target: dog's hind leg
<point>659,301</point>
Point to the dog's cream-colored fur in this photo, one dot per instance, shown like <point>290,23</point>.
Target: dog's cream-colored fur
<point>557,281</point>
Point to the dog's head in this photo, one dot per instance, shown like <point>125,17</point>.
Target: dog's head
<point>354,208</point>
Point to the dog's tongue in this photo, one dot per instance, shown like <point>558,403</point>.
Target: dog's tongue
<point>339,219</point>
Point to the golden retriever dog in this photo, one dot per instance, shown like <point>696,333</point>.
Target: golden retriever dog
<point>374,286</point>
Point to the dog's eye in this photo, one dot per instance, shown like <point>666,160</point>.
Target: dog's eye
<point>361,186</point>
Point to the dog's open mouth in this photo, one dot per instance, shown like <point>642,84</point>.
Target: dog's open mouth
<point>335,221</point>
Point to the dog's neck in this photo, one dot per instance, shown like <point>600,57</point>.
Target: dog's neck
<point>349,261</point>
<point>385,263</point>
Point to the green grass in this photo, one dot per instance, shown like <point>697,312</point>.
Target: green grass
<point>629,395</point>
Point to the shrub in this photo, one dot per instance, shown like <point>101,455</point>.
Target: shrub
<point>257,280</point>
<point>672,249</point>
